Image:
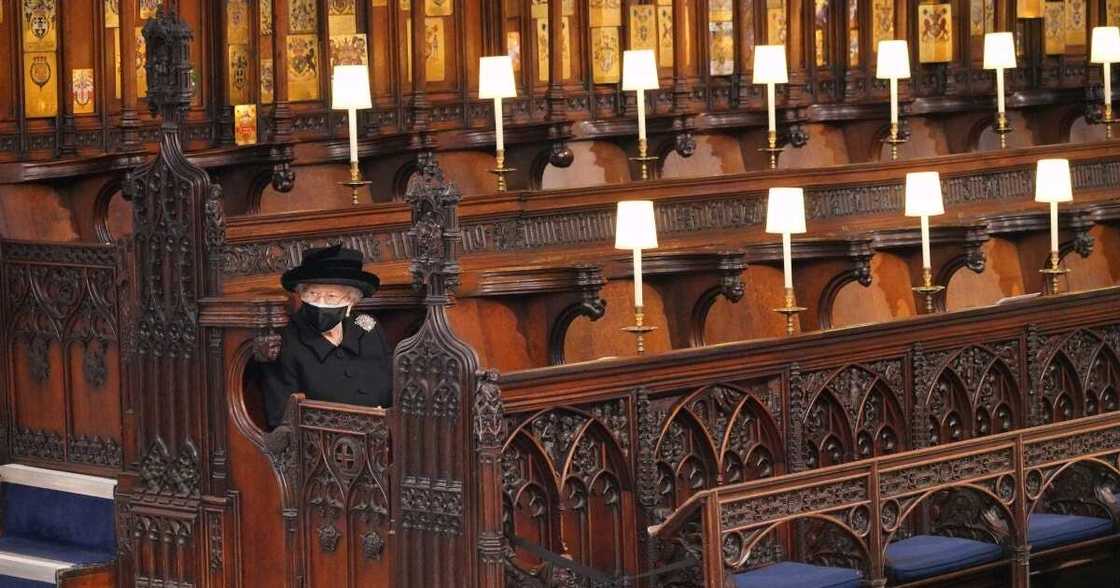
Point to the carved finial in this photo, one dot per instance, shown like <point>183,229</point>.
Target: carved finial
<point>435,229</point>
<point>168,64</point>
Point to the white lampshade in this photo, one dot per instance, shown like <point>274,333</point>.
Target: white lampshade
<point>999,51</point>
<point>923,194</point>
<point>770,64</point>
<point>495,77</point>
<point>785,211</point>
<point>1052,182</point>
<point>1106,45</point>
<point>893,61</point>
<point>635,225</point>
<point>350,87</point>
<point>639,70</point>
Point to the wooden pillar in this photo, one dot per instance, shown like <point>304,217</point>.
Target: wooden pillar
<point>130,119</point>
<point>224,106</point>
<point>421,107</point>
<point>443,512</point>
<point>557,104</point>
<point>282,110</point>
<point>680,58</point>
<point>165,502</point>
<point>65,93</point>
<point>796,40</point>
<point>489,435</point>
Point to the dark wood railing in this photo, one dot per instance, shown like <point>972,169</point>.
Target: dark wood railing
<point>856,509</point>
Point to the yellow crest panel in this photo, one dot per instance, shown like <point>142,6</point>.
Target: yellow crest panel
<point>303,67</point>
<point>40,88</point>
<point>643,27</point>
<point>1076,23</point>
<point>342,17</point>
<point>606,55</point>
<point>141,61</point>
<point>665,35</point>
<point>40,25</point>
<point>722,49</point>
<point>605,13</point>
<point>112,14</point>
<point>148,8</point>
<point>439,7</point>
<point>349,50</point>
<point>542,49</point>
<point>935,33</point>
<point>245,124</point>
<point>267,73</point>
<point>240,82</point>
<point>435,47</point>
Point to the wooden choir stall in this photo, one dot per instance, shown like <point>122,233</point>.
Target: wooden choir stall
<point>828,297</point>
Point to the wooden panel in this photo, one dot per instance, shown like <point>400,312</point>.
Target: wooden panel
<point>64,359</point>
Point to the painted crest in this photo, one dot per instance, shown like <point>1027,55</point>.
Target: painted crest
<point>39,15</point>
<point>83,87</point>
<point>40,71</point>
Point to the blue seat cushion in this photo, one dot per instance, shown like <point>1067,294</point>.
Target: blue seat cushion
<point>13,582</point>
<point>74,554</point>
<point>1046,530</point>
<point>51,515</point>
<point>923,556</point>
<point>789,574</point>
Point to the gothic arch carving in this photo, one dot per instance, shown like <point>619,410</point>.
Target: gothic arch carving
<point>1076,374</point>
<point>852,412</point>
<point>966,393</point>
<point>719,434</point>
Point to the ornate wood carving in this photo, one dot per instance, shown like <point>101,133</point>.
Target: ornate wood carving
<point>1077,373</point>
<point>177,440</point>
<point>434,380</point>
<point>567,483</point>
<point>719,434</point>
<point>853,412</point>
<point>969,392</point>
<point>62,301</point>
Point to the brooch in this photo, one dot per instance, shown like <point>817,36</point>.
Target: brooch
<point>366,322</point>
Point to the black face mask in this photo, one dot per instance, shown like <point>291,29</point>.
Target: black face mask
<point>321,318</point>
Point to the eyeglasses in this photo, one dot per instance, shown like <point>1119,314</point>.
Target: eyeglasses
<point>320,297</point>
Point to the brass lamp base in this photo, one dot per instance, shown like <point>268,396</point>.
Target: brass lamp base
<point>894,141</point>
<point>772,148</point>
<point>928,290</point>
<point>355,182</point>
<point>789,310</point>
<point>501,170</point>
<point>1054,273</point>
<point>643,158</point>
<point>1002,129</point>
<point>1108,121</point>
<point>639,330</point>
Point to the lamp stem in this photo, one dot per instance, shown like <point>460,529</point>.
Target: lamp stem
<point>894,102</point>
<point>641,100</point>
<point>925,243</point>
<point>1053,228</point>
<point>499,131</point>
<point>787,261</point>
<point>352,121</point>
<point>1001,106</point>
<point>771,115</point>
<point>638,278</point>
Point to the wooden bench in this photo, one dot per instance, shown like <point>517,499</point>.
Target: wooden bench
<point>984,512</point>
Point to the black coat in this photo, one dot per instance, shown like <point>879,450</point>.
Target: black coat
<point>358,371</point>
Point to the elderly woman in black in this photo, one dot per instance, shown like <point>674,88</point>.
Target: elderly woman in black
<point>327,351</point>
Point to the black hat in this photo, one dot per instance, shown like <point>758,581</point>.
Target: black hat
<point>331,265</point>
